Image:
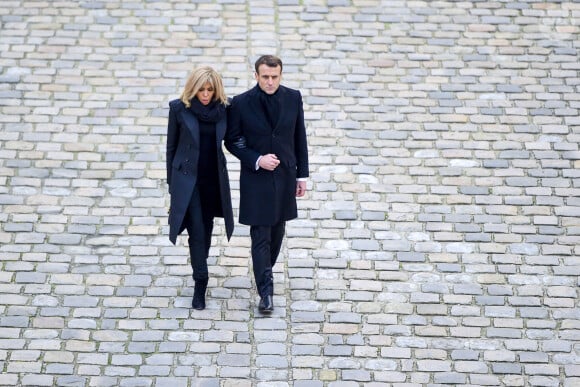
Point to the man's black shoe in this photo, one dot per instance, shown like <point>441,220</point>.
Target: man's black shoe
<point>266,304</point>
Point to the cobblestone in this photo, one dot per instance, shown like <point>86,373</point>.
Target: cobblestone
<point>438,242</point>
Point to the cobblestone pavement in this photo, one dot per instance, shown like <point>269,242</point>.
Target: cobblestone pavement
<point>439,242</point>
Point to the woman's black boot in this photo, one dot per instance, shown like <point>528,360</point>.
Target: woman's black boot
<point>198,301</point>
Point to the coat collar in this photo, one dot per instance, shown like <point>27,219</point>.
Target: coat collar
<point>192,125</point>
<point>257,107</point>
<point>256,90</point>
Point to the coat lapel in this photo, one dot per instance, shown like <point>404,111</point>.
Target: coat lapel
<point>192,124</point>
<point>220,129</point>
<point>256,106</point>
<point>280,101</point>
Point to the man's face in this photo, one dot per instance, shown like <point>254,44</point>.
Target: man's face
<point>269,78</point>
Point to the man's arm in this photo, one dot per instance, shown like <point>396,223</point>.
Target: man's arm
<point>235,140</point>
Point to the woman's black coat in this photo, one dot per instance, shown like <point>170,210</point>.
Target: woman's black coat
<point>268,197</point>
<point>183,141</point>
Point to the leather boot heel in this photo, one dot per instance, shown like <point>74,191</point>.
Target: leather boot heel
<point>198,301</point>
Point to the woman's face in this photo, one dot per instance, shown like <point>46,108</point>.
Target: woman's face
<point>205,93</point>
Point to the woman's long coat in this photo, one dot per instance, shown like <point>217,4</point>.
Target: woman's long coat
<point>268,197</point>
<point>183,139</point>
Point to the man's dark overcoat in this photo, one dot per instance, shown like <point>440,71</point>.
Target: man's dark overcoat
<point>183,140</point>
<point>268,197</point>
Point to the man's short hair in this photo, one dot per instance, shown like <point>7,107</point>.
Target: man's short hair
<point>268,60</point>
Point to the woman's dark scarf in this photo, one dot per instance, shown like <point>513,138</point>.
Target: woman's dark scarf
<point>212,112</point>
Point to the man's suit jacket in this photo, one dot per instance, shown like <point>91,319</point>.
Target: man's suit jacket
<point>268,197</point>
<point>182,160</point>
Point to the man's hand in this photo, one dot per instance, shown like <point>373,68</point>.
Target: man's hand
<point>269,162</point>
<point>300,188</point>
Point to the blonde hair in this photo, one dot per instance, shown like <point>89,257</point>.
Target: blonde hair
<point>200,77</point>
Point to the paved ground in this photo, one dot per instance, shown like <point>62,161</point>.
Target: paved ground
<point>438,244</point>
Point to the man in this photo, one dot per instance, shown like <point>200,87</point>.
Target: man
<point>266,132</point>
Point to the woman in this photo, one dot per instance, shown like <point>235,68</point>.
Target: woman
<point>196,170</point>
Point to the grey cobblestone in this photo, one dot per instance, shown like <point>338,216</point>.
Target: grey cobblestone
<point>437,244</point>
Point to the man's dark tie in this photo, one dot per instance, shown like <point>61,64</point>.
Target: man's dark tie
<point>271,107</point>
